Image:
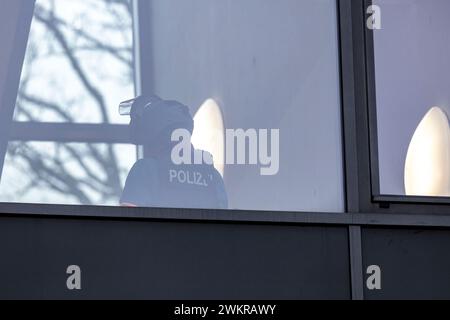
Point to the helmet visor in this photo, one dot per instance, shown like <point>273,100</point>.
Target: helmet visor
<point>125,107</point>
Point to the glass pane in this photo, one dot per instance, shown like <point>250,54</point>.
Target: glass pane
<point>79,62</point>
<point>267,65</point>
<point>245,114</point>
<point>57,173</point>
<point>413,97</point>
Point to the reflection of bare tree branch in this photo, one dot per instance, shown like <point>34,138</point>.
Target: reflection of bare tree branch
<point>112,168</point>
<point>126,3</point>
<point>59,180</point>
<point>79,159</point>
<point>96,44</point>
<point>95,93</point>
<point>38,102</point>
<point>25,112</point>
<point>52,171</point>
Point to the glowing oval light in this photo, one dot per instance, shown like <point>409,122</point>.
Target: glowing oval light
<point>209,132</point>
<point>427,166</point>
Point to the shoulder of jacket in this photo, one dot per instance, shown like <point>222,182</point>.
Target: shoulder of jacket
<point>145,164</point>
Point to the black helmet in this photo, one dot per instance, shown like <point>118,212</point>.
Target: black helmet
<point>153,120</point>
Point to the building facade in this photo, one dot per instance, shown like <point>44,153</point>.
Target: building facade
<point>346,99</point>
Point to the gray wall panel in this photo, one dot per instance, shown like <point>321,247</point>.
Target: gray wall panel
<point>172,260</point>
<point>415,263</point>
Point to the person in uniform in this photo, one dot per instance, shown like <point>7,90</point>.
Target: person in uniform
<point>155,180</point>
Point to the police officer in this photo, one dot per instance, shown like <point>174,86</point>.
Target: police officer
<point>156,181</point>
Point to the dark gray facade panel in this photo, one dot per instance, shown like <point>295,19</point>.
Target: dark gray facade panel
<point>414,263</point>
<point>167,260</point>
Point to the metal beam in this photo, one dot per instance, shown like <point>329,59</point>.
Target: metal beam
<point>70,132</point>
<point>144,63</point>
<point>14,67</point>
<point>351,17</point>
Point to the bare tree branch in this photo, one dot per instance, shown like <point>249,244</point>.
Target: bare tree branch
<point>52,171</point>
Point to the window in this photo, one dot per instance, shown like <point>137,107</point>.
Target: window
<point>261,80</point>
<point>78,64</point>
<point>412,99</point>
<point>65,173</point>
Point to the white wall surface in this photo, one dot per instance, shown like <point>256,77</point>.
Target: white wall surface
<point>412,61</point>
<point>269,64</point>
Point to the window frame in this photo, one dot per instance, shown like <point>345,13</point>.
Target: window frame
<point>379,202</point>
